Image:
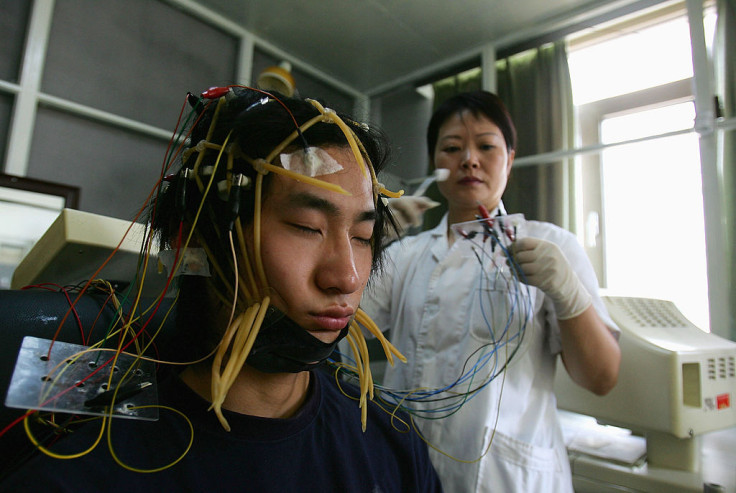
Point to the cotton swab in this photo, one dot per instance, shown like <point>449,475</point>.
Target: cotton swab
<point>440,174</point>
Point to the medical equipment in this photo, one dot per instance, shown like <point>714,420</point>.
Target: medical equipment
<point>78,241</point>
<point>676,383</point>
<point>504,305</point>
<point>209,161</point>
<point>277,78</point>
<point>440,174</point>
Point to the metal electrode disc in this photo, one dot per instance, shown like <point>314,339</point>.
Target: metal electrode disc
<point>71,375</point>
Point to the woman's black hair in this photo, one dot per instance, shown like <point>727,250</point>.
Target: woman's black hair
<point>479,103</point>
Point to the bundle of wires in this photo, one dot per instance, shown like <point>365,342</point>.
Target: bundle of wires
<point>121,330</point>
<point>206,191</point>
<point>247,293</point>
<point>506,309</point>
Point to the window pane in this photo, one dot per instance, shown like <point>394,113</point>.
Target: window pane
<point>6,107</point>
<point>135,58</point>
<point>641,124</point>
<point>653,208</point>
<point>114,168</point>
<point>634,61</point>
<point>13,21</point>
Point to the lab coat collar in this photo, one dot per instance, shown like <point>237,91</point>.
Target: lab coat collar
<point>439,244</point>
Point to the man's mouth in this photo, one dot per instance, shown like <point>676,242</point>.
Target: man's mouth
<point>332,320</point>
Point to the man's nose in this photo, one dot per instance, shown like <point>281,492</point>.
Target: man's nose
<point>338,270</point>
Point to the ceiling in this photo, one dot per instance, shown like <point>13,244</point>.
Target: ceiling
<point>372,46</point>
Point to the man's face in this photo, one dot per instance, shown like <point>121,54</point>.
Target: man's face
<point>315,246</point>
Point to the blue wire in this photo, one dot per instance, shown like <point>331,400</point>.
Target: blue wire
<point>519,308</point>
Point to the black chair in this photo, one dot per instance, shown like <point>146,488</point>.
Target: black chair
<point>38,313</point>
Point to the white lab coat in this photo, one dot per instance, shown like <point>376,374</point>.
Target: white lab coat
<point>427,296</point>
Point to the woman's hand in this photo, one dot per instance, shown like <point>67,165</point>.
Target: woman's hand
<point>545,267</point>
<point>589,350</point>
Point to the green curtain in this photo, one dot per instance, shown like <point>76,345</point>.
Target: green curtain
<point>535,86</point>
<point>467,81</point>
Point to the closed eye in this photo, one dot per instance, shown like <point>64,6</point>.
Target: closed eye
<point>364,241</point>
<point>305,229</point>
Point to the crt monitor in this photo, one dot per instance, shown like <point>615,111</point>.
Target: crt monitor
<point>676,381</point>
<point>77,243</point>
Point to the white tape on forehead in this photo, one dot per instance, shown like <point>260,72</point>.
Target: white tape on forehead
<point>313,162</point>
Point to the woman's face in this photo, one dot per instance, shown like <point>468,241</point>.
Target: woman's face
<point>316,246</point>
<point>474,150</point>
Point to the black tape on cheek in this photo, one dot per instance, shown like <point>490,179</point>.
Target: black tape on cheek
<point>283,346</point>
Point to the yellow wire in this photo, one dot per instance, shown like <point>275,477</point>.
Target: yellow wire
<point>389,349</point>
<point>251,293</point>
<point>237,357</point>
<point>363,347</point>
<point>288,140</point>
<point>257,232</point>
<point>358,361</point>
<point>363,378</point>
<point>157,469</point>
<point>215,265</point>
<point>222,349</point>
<point>334,118</point>
<point>48,452</point>
<point>307,179</point>
<point>244,329</point>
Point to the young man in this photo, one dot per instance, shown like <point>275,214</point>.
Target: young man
<point>279,199</point>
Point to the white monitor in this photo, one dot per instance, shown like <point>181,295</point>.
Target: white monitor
<point>675,383</point>
<point>77,243</point>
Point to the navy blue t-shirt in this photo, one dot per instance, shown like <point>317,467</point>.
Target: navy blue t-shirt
<point>321,449</point>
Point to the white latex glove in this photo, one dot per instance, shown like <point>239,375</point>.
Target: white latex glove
<point>409,210</point>
<point>545,267</point>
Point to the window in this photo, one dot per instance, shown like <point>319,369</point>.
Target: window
<point>653,208</point>
<point>641,205</point>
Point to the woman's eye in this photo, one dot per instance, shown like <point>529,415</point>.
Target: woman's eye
<point>450,149</point>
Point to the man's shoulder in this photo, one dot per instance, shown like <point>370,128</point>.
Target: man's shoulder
<point>344,396</point>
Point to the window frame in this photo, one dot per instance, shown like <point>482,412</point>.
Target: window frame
<point>590,116</point>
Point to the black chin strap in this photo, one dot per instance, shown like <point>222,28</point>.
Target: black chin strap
<point>282,346</point>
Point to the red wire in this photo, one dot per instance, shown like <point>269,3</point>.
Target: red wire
<point>61,289</point>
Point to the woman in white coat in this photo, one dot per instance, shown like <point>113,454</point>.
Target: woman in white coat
<point>507,437</point>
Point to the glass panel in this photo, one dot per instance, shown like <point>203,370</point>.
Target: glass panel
<point>633,61</point>
<point>6,107</point>
<point>135,58</point>
<point>114,169</point>
<point>653,209</point>
<point>14,16</point>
